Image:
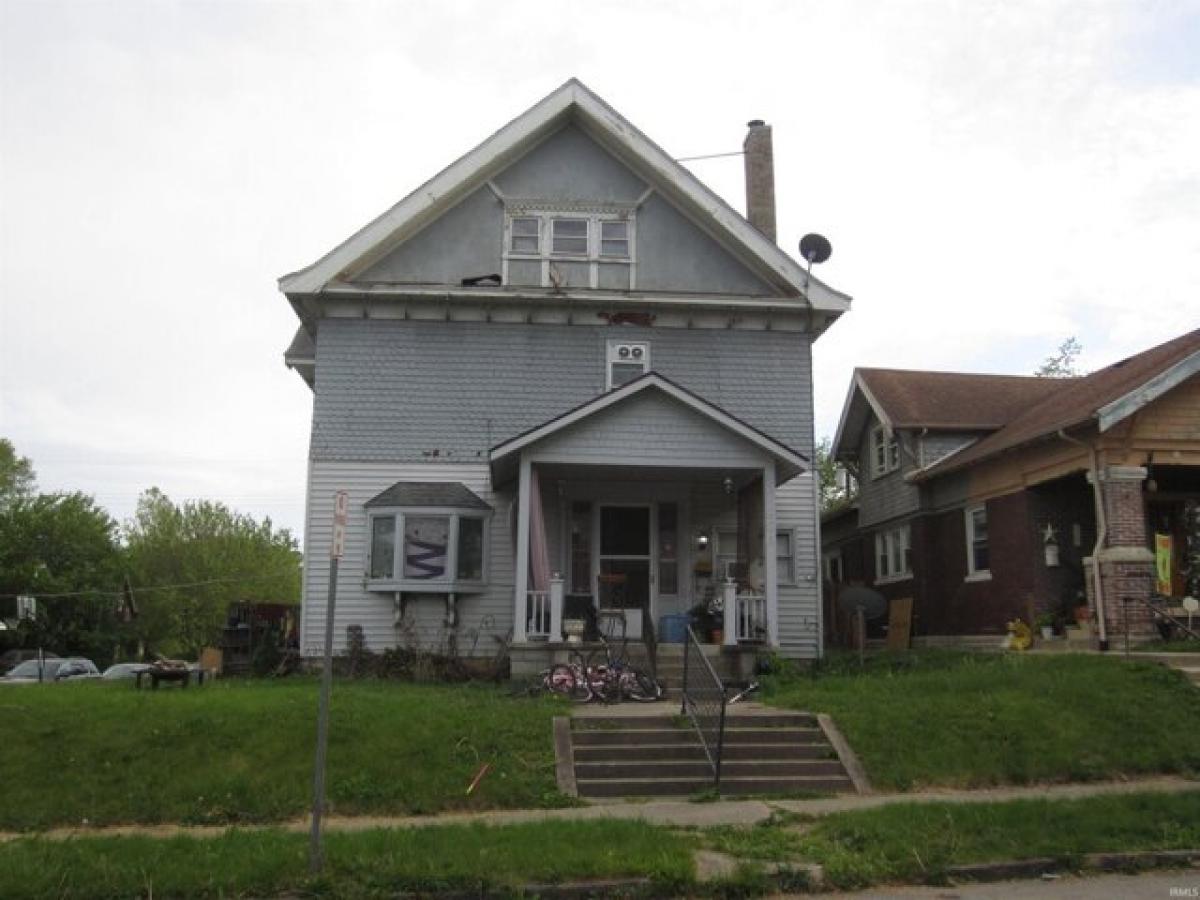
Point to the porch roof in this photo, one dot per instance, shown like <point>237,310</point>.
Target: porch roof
<point>505,457</point>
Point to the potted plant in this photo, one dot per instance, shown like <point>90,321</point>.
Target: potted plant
<point>1045,622</point>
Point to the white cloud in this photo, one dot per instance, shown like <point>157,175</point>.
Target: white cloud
<point>994,177</point>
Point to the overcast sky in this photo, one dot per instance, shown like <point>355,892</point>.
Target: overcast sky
<point>994,177</point>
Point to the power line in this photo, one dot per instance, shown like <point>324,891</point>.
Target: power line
<point>710,156</point>
<point>96,592</point>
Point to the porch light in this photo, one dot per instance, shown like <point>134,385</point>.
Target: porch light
<point>728,484</point>
<point>702,540</point>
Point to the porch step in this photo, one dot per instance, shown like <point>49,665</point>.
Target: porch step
<point>647,756</point>
<point>674,787</point>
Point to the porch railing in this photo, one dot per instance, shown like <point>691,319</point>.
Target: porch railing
<point>751,620</point>
<point>704,701</point>
<point>543,612</point>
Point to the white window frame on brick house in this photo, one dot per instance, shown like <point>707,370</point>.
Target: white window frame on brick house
<point>629,354</point>
<point>597,249</point>
<point>974,572</point>
<point>885,453</point>
<point>449,582</point>
<point>893,554</point>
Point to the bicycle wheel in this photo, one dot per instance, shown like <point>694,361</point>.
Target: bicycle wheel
<point>641,688</point>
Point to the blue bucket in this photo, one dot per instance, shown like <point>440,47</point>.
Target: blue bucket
<point>673,629</point>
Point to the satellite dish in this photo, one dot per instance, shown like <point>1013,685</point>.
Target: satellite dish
<point>872,603</point>
<point>815,248</point>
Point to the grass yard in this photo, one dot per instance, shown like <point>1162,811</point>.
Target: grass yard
<point>917,842</point>
<point>361,864</point>
<point>1179,645</point>
<point>241,751</point>
<point>975,720</point>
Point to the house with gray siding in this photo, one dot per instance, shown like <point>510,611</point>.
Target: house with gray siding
<point>563,377</point>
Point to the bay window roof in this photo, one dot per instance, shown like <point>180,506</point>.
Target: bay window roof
<point>426,494</point>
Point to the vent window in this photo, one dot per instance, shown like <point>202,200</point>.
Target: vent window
<point>627,360</point>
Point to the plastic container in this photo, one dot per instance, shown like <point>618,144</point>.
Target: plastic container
<point>673,629</point>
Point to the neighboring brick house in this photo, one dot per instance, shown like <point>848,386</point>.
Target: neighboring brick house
<point>562,375</point>
<point>965,478</point>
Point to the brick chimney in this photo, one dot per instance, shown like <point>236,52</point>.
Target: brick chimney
<point>760,177</point>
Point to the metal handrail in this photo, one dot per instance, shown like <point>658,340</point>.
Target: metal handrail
<point>1159,611</point>
<point>704,700</point>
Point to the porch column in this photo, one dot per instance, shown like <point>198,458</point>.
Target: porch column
<point>520,601</point>
<point>1126,562</point>
<point>770,577</point>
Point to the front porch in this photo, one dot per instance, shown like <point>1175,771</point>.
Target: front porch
<point>634,554</point>
<point>641,508</point>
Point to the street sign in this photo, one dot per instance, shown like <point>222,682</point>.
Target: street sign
<point>341,512</point>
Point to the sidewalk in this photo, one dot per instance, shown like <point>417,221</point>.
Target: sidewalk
<point>681,813</point>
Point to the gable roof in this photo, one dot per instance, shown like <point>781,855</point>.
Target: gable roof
<point>939,401</point>
<point>504,454</point>
<point>570,102</point>
<point>1105,397</point>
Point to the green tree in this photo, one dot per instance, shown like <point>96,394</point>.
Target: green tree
<point>52,544</point>
<point>16,474</point>
<point>834,493</point>
<point>1062,363</point>
<point>189,562</point>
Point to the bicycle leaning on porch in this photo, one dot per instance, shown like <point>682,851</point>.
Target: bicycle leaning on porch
<point>611,681</point>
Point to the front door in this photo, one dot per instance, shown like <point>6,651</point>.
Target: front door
<point>624,564</point>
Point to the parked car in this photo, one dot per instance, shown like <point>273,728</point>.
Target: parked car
<point>10,659</point>
<point>124,671</point>
<point>73,668</point>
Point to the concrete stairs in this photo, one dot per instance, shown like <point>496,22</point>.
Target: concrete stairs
<point>670,667</point>
<point>661,755</point>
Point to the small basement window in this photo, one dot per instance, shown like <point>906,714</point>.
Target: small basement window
<point>428,537</point>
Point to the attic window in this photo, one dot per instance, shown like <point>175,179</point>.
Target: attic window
<point>569,237</point>
<point>614,239</point>
<point>525,234</point>
<point>885,452</point>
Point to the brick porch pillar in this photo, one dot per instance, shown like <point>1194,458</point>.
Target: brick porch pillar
<point>1126,561</point>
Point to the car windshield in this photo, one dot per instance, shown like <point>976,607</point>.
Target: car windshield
<point>29,669</point>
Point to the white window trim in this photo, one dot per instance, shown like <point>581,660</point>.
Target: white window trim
<point>791,536</point>
<point>611,350</point>
<point>828,558</point>
<point>974,574</point>
<point>594,215</point>
<point>885,540</point>
<point>891,452</point>
<point>451,584</point>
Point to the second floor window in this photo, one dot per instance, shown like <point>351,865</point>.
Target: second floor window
<point>885,452</point>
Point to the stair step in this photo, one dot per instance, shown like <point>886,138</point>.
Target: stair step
<point>701,768</point>
<point>732,722</point>
<point>630,737</point>
<point>673,787</point>
<point>650,752</point>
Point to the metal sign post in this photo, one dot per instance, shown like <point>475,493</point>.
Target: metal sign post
<point>341,507</point>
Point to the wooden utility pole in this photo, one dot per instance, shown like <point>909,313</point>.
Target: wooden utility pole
<point>316,856</point>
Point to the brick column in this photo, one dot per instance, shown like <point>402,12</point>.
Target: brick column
<point>1126,562</point>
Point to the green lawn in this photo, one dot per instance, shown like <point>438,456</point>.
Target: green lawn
<point>1180,645</point>
<point>918,842</point>
<point>369,863</point>
<point>241,751</point>
<point>974,720</point>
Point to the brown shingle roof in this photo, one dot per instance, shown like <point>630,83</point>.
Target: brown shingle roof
<point>954,399</point>
<point>1074,401</point>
